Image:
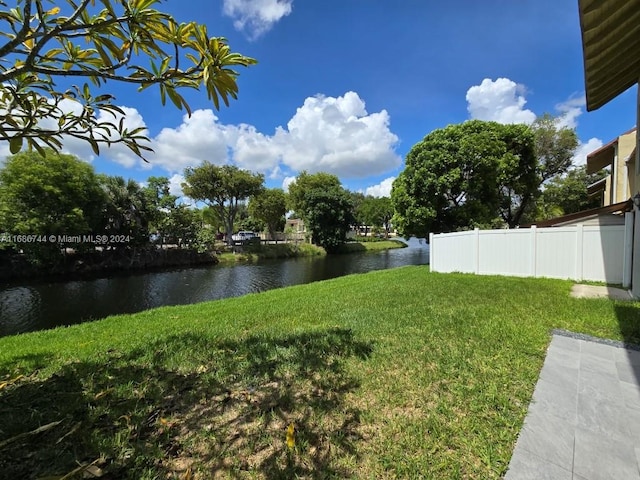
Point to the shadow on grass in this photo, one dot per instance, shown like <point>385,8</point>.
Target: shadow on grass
<point>628,315</point>
<point>223,412</point>
<point>351,247</point>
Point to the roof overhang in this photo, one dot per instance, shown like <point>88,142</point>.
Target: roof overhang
<point>610,44</point>
<point>625,206</point>
<point>597,187</point>
<point>602,157</point>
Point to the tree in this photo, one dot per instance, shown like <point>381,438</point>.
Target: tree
<point>324,205</point>
<point>378,212</point>
<point>125,41</point>
<point>270,207</point>
<point>183,225</point>
<point>252,224</point>
<point>357,199</point>
<point>48,196</point>
<point>127,212</point>
<point>305,182</point>
<point>223,189</point>
<point>329,215</point>
<point>518,173</point>
<point>471,174</point>
<point>554,147</point>
<point>568,194</point>
<point>160,202</point>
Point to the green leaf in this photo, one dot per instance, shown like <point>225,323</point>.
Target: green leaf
<point>15,145</point>
<point>175,97</point>
<point>94,145</point>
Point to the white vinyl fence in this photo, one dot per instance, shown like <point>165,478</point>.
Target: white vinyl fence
<point>597,253</point>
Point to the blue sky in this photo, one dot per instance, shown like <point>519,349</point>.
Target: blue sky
<point>349,86</point>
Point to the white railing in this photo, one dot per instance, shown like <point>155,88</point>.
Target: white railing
<point>596,253</point>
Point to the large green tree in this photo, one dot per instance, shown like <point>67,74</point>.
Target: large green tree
<point>127,211</point>
<point>270,207</point>
<point>172,221</point>
<point>555,146</point>
<point>223,188</point>
<point>304,183</point>
<point>325,206</point>
<point>49,196</point>
<point>329,216</point>
<point>161,203</point>
<point>377,212</point>
<point>471,174</point>
<point>183,225</point>
<point>567,194</point>
<point>357,199</point>
<point>103,41</point>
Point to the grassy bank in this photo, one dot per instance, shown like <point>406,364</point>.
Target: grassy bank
<point>390,374</point>
<point>371,246</point>
<point>254,253</point>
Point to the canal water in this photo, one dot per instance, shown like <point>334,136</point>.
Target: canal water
<point>26,307</point>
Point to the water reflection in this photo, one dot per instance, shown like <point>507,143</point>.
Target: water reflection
<point>40,306</point>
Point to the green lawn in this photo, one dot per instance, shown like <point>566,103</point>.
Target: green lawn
<point>391,374</point>
<point>255,253</point>
<point>371,245</point>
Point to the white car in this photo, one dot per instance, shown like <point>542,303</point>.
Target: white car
<point>243,236</point>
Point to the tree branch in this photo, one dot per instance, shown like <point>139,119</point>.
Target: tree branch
<point>21,35</point>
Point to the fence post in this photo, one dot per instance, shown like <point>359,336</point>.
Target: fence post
<point>431,266</point>
<point>476,239</point>
<point>534,246</point>
<point>579,269</point>
<point>627,260</point>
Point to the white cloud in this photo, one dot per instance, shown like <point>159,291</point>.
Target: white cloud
<point>337,135</point>
<point>383,189</point>
<point>175,185</point>
<point>286,182</point>
<point>330,134</point>
<point>251,149</point>
<point>584,149</point>
<point>256,17</point>
<point>199,137</point>
<point>570,110</point>
<point>333,135</point>
<point>501,101</point>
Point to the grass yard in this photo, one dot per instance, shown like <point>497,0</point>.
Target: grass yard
<point>254,253</point>
<point>392,374</point>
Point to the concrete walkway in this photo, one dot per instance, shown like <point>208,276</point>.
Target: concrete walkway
<point>583,422</point>
<point>594,291</point>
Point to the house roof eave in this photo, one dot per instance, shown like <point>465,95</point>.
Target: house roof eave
<point>625,206</point>
<point>610,42</point>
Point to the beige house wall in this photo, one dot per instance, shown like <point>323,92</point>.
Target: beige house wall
<point>635,264</point>
<point>623,177</point>
<point>634,178</point>
<point>626,175</point>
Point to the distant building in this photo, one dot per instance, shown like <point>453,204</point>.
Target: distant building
<point>294,225</point>
<point>294,230</point>
<point>619,156</point>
